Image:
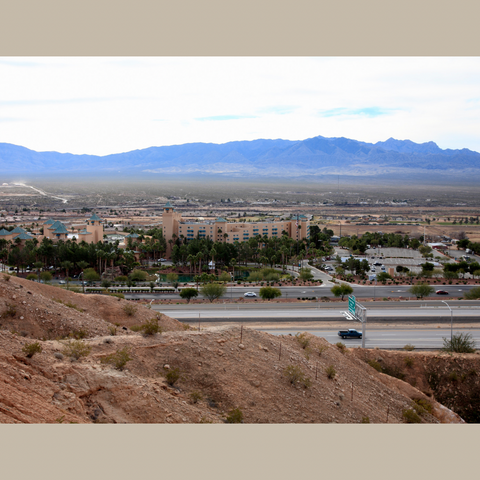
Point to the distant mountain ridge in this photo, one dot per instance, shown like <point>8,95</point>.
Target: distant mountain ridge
<point>315,156</point>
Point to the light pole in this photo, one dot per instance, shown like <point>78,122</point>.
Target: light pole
<point>451,321</point>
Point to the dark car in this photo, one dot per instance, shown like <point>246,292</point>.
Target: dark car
<point>441,292</point>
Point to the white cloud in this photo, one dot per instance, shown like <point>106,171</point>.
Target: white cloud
<point>107,105</point>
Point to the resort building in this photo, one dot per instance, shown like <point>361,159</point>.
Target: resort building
<point>91,233</point>
<point>220,230</point>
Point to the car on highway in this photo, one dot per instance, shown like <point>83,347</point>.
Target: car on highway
<point>350,333</point>
<point>441,292</point>
<point>62,282</point>
<point>250,294</point>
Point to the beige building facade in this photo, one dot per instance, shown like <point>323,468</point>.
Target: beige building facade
<point>220,230</point>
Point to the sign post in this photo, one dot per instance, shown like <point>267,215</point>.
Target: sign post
<point>357,312</point>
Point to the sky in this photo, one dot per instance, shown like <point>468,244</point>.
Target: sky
<point>105,105</point>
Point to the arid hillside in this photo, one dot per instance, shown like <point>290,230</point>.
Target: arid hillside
<point>95,366</point>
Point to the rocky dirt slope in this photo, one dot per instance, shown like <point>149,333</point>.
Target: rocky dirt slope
<point>220,369</point>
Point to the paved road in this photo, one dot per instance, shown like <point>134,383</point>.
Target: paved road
<point>386,338</point>
<point>377,292</point>
<point>233,313</point>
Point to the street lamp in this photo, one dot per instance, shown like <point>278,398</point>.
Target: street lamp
<point>451,321</point>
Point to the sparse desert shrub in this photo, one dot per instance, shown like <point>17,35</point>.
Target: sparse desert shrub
<point>409,361</point>
<point>118,359</point>
<point>296,376</point>
<point>112,329</point>
<point>151,327</point>
<point>373,363</point>
<point>76,349</point>
<point>321,349</point>
<point>195,396</point>
<point>11,310</point>
<point>58,355</point>
<point>30,349</point>
<point>365,420</point>
<point>459,343</point>
<point>341,346</point>
<point>302,339</point>
<point>118,295</point>
<point>331,372</point>
<point>411,416</point>
<point>78,334</point>
<point>409,347</point>
<point>136,328</point>
<point>453,376</point>
<point>422,406</point>
<point>129,309</point>
<point>234,416</point>
<point>172,376</point>
<point>6,277</point>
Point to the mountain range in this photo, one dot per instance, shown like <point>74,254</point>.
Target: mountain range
<point>313,157</point>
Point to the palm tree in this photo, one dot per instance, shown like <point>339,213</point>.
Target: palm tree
<point>82,265</point>
<point>67,265</point>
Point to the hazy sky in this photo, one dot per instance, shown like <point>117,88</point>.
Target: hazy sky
<point>102,105</point>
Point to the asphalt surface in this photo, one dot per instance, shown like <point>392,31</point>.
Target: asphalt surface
<point>386,338</point>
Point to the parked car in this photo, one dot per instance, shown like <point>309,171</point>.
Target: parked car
<point>250,294</point>
<point>62,282</point>
<point>328,269</point>
<point>378,264</point>
<point>441,292</point>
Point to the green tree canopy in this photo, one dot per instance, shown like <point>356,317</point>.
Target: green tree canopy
<point>188,293</point>
<point>212,291</point>
<point>267,293</point>
<point>421,290</point>
<point>342,290</point>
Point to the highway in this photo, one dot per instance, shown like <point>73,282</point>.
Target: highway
<point>410,321</point>
<point>386,338</point>
<point>370,291</point>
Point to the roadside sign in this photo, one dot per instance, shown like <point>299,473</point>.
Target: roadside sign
<point>351,304</point>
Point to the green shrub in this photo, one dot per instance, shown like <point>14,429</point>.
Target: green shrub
<point>136,328</point>
<point>30,349</point>
<point>341,346</point>
<point>422,406</point>
<point>459,343</point>
<point>32,276</point>
<point>409,361</point>
<point>78,334</point>
<point>75,349</point>
<point>118,359</point>
<point>11,310</point>
<point>296,376</point>
<point>302,339</point>
<point>453,376</point>
<point>129,309</point>
<point>373,363</point>
<point>151,327</point>
<point>365,420</point>
<point>409,347</point>
<point>118,295</point>
<point>234,416</point>
<point>330,371</point>
<point>172,376</point>
<point>321,349</point>
<point>195,396</point>
<point>411,416</point>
